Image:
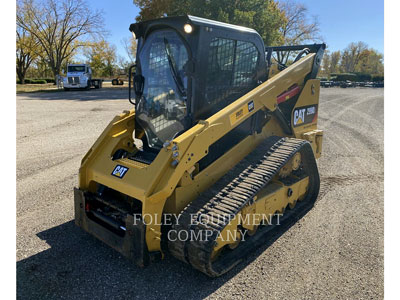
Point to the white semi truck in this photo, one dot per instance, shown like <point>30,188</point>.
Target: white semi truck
<point>79,76</point>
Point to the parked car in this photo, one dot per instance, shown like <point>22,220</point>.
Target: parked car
<point>326,83</point>
<point>346,84</point>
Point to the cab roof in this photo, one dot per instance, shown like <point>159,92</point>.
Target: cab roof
<point>140,29</point>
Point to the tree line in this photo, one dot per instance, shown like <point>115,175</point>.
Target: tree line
<point>52,33</point>
<point>357,59</point>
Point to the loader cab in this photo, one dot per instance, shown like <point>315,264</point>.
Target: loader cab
<point>189,69</point>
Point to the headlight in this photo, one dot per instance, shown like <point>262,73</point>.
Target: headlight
<point>188,28</point>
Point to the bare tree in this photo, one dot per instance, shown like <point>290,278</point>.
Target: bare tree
<point>351,56</point>
<point>59,26</point>
<point>334,63</point>
<point>123,65</point>
<point>326,61</point>
<point>130,46</point>
<point>297,28</point>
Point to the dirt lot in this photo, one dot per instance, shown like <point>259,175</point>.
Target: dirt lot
<point>334,252</point>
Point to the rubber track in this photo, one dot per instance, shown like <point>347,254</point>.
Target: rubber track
<point>230,194</point>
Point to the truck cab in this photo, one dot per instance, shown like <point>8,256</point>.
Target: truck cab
<point>80,76</point>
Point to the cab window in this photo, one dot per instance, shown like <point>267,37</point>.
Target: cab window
<point>231,70</point>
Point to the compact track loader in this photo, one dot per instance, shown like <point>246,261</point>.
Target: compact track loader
<point>218,152</point>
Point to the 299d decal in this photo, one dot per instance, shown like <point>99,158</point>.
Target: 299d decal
<point>305,115</point>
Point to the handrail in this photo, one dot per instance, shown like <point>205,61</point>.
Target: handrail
<point>130,85</point>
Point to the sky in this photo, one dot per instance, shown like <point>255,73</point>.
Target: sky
<point>341,21</point>
<point>118,15</point>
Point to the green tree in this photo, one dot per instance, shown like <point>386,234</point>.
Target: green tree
<point>263,15</point>
<point>153,9</point>
<point>370,62</point>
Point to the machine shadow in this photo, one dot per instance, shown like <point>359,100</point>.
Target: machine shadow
<point>81,95</point>
<point>79,266</point>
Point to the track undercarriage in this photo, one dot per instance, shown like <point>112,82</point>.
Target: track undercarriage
<point>245,207</point>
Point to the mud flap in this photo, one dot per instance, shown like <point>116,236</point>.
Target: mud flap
<point>132,244</point>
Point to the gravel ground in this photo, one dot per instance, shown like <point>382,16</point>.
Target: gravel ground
<point>334,252</point>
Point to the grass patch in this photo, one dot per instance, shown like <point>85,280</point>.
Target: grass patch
<point>29,88</point>
<point>50,87</point>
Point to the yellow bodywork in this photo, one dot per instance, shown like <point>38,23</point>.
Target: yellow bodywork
<point>162,187</point>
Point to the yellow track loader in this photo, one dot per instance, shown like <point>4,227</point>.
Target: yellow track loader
<point>217,153</point>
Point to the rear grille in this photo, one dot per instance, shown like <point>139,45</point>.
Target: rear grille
<point>73,80</point>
